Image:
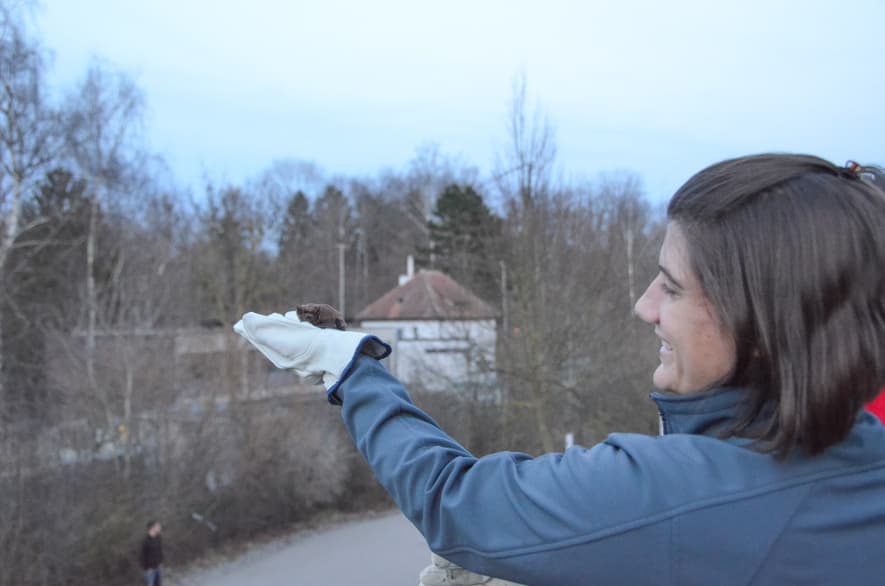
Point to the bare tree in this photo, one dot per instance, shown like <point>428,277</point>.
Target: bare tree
<point>28,136</point>
<point>574,257</point>
<point>384,234</point>
<point>288,176</point>
<point>629,215</point>
<point>233,269</point>
<point>139,298</point>
<point>523,175</point>
<point>104,139</point>
<point>233,260</point>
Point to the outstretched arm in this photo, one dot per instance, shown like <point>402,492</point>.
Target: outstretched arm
<point>554,519</point>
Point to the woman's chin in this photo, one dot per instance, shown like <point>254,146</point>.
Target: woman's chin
<point>661,379</point>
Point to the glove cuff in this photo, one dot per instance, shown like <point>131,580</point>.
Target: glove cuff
<point>369,345</point>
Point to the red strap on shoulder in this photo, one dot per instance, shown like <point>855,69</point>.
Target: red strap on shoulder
<point>877,406</point>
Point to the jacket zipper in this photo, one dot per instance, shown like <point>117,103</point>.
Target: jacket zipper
<point>662,422</point>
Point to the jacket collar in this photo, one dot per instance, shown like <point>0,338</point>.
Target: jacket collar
<point>704,413</point>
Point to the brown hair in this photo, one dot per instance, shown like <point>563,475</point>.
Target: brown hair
<point>790,249</point>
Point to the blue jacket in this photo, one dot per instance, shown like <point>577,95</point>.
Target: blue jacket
<point>683,508</point>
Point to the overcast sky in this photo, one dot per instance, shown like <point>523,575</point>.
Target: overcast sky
<point>659,88</point>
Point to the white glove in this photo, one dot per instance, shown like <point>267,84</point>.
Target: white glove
<point>442,572</point>
<point>308,350</point>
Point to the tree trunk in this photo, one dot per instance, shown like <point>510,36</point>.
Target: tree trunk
<point>90,293</point>
<point>128,390</point>
<point>92,310</point>
<point>540,409</point>
<point>628,236</point>
<point>3,398</point>
<point>11,226</point>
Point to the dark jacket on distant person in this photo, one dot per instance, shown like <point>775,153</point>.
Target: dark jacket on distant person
<point>151,552</point>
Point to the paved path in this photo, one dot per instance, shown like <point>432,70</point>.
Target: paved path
<point>385,551</point>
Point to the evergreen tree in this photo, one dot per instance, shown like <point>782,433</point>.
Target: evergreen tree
<point>464,236</point>
<point>45,273</point>
<point>295,267</point>
<point>333,229</point>
<point>295,232</point>
<point>233,268</point>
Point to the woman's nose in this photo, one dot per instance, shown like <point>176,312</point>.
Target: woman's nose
<point>646,307</point>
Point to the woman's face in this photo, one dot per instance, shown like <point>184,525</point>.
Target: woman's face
<point>695,351</point>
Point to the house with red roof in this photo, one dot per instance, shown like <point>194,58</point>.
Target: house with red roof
<point>443,336</point>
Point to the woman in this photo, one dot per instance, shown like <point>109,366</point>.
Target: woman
<point>770,308</point>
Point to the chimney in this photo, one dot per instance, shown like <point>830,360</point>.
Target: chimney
<point>410,270</point>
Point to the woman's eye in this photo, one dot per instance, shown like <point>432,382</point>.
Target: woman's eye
<point>668,290</point>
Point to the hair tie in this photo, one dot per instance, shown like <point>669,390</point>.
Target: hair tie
<point>869,173</point>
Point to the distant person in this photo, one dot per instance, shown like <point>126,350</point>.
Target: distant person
<point>769,306</point>
<point>152,554</point>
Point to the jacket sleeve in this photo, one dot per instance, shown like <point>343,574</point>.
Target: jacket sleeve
<point>508,514</point>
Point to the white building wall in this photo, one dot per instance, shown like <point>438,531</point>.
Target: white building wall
<point>439,355</point>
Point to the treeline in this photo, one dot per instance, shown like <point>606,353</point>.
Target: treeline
<point>108,416</point>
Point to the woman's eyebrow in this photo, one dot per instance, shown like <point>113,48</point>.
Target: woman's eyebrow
<point>670,277</point>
